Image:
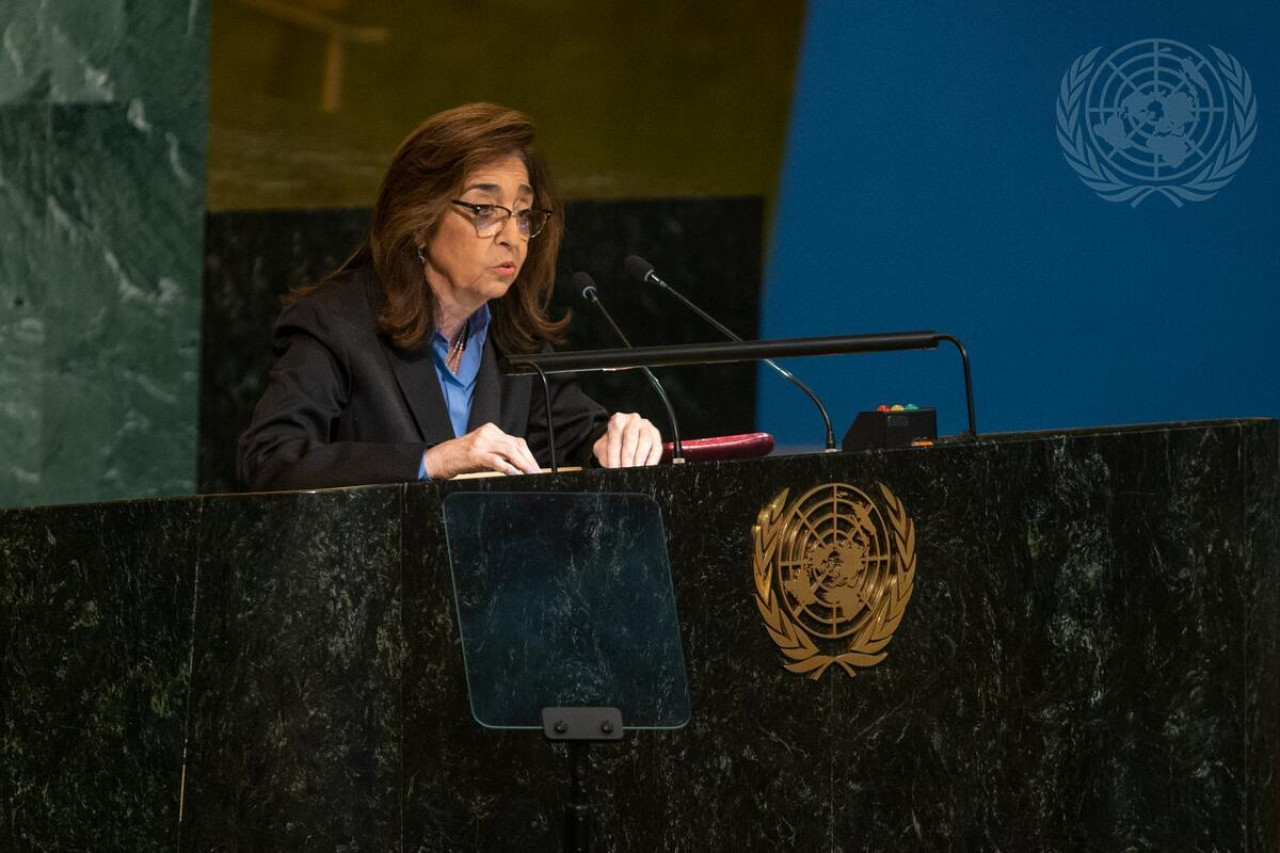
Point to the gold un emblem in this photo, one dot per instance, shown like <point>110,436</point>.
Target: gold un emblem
<point>832,577</point>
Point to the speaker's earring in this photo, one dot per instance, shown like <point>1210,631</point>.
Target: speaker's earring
<point>422,259</point>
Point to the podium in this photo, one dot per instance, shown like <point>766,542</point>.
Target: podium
<point>1088,659</point>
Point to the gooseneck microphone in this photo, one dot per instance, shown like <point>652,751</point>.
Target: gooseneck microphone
<point>587,287</point>
<point>642,271</point>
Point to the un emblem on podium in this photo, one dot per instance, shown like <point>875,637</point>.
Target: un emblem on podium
<point>833,573</point>
<point>1156,116</point>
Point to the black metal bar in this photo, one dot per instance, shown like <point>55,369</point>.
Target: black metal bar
<point>968,382</point>
<point>551,423</point>
<point>714,353</point>
<point>577,812</point>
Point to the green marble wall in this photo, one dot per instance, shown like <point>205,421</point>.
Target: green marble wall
<point>102,162</point>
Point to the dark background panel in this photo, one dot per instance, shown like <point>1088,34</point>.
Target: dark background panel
<point>708,248</point>
<point>251,261</point>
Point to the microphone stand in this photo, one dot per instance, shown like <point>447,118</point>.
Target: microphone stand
<point>968,380</point>
<point>650,275</point>
<point>551,424</point>
<point>677,450</point>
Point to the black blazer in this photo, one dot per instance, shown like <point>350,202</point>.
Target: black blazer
<point>343,406</point>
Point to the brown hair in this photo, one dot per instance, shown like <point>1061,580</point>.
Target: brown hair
<point>425,174</point>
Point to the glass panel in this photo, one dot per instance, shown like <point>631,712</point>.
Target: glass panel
<point>565,599</point>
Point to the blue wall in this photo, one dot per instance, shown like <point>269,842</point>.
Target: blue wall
<point>925,186</point>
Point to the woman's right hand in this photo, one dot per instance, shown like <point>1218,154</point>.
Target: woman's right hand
<point>486,448</point>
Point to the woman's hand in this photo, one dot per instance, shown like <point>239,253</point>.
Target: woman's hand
<point>484,449</point>
<point>631,440</point>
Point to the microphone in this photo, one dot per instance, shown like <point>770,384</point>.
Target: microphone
<point>587,287</point>
<point>642,270</point>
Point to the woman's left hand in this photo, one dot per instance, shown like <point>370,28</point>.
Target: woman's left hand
<point>630,440</point>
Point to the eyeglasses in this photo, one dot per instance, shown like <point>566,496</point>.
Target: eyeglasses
<point>489,219</point>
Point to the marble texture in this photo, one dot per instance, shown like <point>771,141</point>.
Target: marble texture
<point>706,247</point>
<point>1089,613</point>
<point>1085,665</point>
<point>109,51</point>
<point>95,637</point>
<point>24,133</point>
<point>102,128</point>
<point>1090,661</point>
<point>296,675</point>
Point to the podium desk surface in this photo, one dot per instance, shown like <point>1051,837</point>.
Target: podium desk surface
<point>1058,641</point>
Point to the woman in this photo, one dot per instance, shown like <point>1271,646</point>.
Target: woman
<point>387,369</point>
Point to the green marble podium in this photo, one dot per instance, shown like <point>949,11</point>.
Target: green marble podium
<point>1090,661</point>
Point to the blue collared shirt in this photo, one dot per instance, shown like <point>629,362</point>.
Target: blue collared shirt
<point>459,388</point>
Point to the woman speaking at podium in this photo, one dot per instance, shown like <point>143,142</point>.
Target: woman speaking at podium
<point>386,370</point>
